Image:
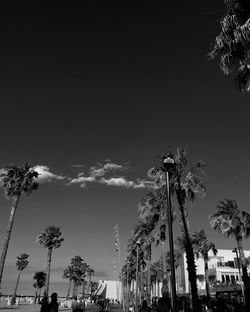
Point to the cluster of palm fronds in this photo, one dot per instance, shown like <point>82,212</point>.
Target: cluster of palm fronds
<point>76,273</point>
<point>232,45</point>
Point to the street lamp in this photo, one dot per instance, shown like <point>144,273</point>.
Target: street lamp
<point>168,167</point>
<point>235,250</point>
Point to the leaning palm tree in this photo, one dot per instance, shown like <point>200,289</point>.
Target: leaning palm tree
<point>21,264</point>
<point>232,222</point>
<point>202,247</point>
<point>50,238</point>
<point>185,182</point>
<point>68,273</point>
<point>40,279</point>
<point>15,181</point>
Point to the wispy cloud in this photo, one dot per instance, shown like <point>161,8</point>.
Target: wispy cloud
<point>77,165</point>
<point>108,174</point>
<point>45,175</point>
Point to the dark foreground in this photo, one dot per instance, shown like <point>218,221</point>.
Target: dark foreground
<point>36,308</point>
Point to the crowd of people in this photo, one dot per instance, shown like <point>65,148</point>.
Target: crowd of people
<point>77,304</point>
<point>218,303</point>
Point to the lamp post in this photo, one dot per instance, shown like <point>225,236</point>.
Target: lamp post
<point>168,167</point>
<point>240,279</point>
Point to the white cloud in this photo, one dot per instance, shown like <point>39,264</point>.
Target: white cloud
<point>100,171</point>
<point>123,182</point>
<point>82,180</point>
<point>45,175</point>
<point>119,181</point>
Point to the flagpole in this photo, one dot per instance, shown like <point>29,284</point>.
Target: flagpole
<point>117,245</point>
<point>116,287</point>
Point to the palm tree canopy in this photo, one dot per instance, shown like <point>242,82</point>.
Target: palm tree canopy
<point>17,180</point>
<point>90,271</point>
<point>22,261</point>
<point>230,221</point>
<point>79,269</point>
<point>68,272</point>
<point>50,237</point>
<point>40,278</point>
<point>187,180</point>
<point>201,244</point>
<point>232,45</point>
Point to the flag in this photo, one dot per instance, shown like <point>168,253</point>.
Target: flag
<point>116,235</point>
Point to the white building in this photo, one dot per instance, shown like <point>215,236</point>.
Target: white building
<point>222,268</point>
<point>112,289</point>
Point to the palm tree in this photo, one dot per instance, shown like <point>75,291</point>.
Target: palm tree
<point>232,222</point>
<point>40,279</point>
<point>15,181</point>
<point>201,247</point>
<point>185,182</point>
<point>50,238</point>
<point>232,45</point>
<point>79,267</point>
<point>153,211</point>
<point>90,273</point>
<point>21,264</point>
<point>68,274</point>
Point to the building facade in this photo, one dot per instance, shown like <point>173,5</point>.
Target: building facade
<point>223,270</point>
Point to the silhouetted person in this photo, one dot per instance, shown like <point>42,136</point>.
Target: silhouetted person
<point>145,307</point>
<point>45,304</point>
<point>53,306</point>
<point>164,304</point>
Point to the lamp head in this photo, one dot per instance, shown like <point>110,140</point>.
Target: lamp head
<point>168,162</point>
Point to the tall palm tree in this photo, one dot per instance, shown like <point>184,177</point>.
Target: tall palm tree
<point>185,182</point>
<point>40,279</point>
<point>21,264</point>
<point>68,274</point>
<point>202,247</point>
<point>153,211</point>
<point>90,273</point>
<point>232,222</point>
<point>232,45</point>
<point>15,181</point>
<point>50,238</point>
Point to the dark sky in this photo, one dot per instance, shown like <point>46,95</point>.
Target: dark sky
<point>83,86</point>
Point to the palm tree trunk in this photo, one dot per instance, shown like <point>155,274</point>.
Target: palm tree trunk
<point>35,297</point>
<point>74,289</point>
<point>83,288</point>
<point>245,277</point>
<point>39,295</point>
<point>189,255</point>
<point>142,284</point>
<point>90,287</point>
<point>7,236</point>
<point>68,292</point>
<point>149,278</point>
<point>46,288</point>
<point>164,266</point>
<point>137,279</point>
<point>17,282</point>
<point>207,282</point>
